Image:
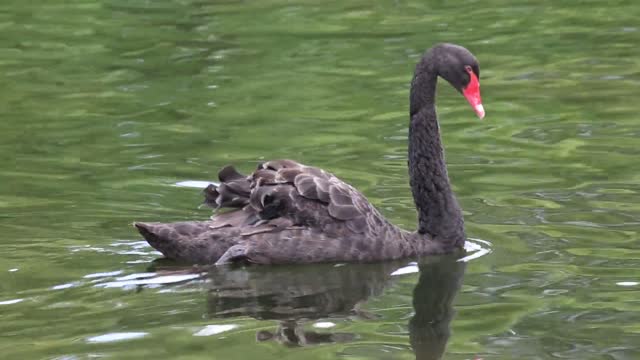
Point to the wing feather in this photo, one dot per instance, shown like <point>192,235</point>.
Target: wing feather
<point>286,192</point>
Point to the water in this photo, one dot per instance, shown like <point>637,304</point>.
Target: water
<point>106,105</point>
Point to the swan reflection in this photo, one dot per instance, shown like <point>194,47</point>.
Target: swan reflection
<point>297,295</point>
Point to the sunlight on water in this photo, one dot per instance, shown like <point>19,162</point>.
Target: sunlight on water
<point>133,280</point>
<point>215,329</point>
<point>323,325</point>
<point>11,302</point>
<point>475,248</point>
<point>195,184</point>
<point>112,337</point>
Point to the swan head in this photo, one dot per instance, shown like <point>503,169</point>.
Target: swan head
<point>460,68</point>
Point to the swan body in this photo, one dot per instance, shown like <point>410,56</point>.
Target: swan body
<point>287,212</point>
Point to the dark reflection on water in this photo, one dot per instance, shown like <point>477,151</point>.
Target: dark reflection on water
<point>433,297</point>
<point>296,295</point>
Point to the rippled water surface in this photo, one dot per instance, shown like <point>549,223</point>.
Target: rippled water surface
<point>105,105</point>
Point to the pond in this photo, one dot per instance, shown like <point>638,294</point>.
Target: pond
<point>107,105</point>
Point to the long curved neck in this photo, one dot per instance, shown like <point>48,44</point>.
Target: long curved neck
<point>439,215</point>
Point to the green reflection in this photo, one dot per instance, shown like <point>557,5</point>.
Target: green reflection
<point>106,104</point>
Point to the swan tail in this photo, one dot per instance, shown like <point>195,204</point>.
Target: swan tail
<point>192,240</point>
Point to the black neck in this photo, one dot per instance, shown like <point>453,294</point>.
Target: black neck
<point>439,215</point>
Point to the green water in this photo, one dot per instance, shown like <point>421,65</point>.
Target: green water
<point>105,105</point>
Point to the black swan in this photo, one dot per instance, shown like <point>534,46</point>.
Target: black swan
<point>286,212</point>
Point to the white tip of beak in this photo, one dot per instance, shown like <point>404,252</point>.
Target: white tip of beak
<point>479,109</point>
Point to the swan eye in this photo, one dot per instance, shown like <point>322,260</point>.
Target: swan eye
<point>466,74</point>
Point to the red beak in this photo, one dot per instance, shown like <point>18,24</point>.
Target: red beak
<point>472,93</point>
